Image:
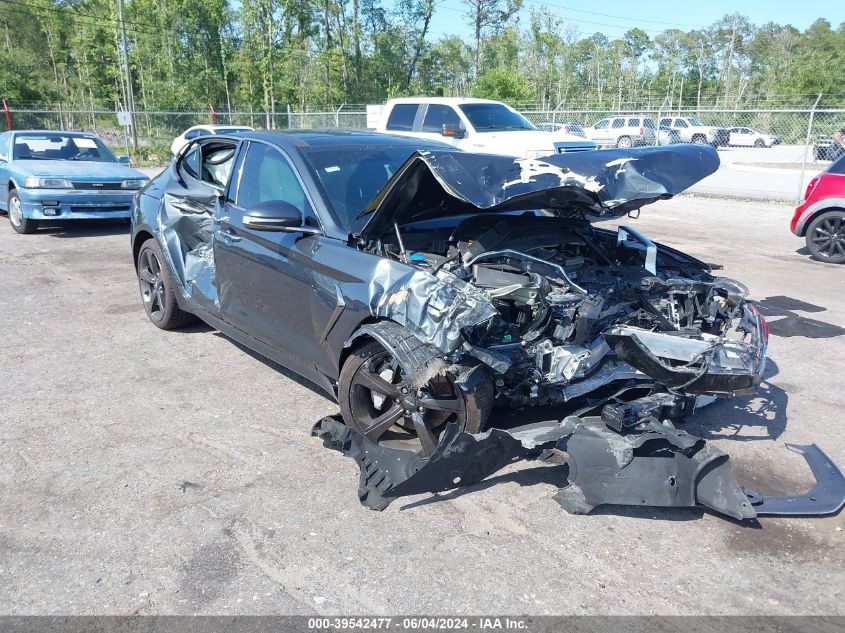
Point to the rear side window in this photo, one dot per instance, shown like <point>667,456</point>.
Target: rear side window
<point>838,167</point>
<point>617,123</point>
<point>665,122</point>
<point>439,115</point>
<point>266,175</point>
<point>649,123</point>
<point>680,123</point>
<point>402,116</point>
<point>633,123</point>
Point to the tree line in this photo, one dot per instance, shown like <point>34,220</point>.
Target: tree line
<point>263,55</point>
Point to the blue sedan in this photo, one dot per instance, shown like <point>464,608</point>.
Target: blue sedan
<point>47,175</point>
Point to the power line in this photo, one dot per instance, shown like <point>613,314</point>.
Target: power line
<point>577,20</point>
<point>618,17</point>
<point>89,19</point>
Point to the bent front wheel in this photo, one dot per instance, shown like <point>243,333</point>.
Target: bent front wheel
<point>394,406</point>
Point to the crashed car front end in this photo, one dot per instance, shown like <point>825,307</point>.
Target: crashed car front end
<point>496,262</point>
<point>555,307</point>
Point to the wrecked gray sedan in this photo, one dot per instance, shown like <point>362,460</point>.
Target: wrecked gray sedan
<point>430,290</point>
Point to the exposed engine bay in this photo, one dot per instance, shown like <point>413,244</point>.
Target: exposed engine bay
<point>577,308</point>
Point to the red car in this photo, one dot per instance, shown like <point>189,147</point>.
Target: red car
<point>821,217</point>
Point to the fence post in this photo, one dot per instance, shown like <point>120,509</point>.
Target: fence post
<point>337,115</point>
<point>807,148</point>
<point>289,125</point>
<point>657,123</point>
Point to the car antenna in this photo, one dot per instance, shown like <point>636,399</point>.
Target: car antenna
<point>401,243</point>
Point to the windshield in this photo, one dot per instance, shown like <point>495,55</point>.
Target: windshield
<point>494,117</point>
<point>352,176</point>
<point>696,121</point>
<point>57,146</point>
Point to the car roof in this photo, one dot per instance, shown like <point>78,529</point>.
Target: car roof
<point>304,139</point>
<point>63,132</point>
<point>208,126</point>
<point>442,100</point>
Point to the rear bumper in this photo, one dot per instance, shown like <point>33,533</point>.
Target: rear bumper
<point>60,204</point>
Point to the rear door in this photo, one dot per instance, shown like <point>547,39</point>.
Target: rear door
<point>189,205</point>
<point>439,118</point>
<point>401,118</point>
<point>616,130</point>
<point>264,277</point>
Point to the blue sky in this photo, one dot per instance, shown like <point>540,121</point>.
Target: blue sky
<point>614,17</point>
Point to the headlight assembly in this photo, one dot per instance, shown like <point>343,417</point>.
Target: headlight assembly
<point>135,183</point>
<point>36,182</point>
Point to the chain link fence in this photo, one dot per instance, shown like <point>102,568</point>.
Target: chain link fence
<point>788,124</point>
<point>751,172</point>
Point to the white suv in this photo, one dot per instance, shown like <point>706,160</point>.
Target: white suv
<point>475,125</point>
<point>692,130</point>
<point>622,131</point>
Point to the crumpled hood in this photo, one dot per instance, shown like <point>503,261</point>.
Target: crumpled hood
<point>602,183</point>
<point>78,170</point>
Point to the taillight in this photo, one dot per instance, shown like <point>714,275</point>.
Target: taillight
<point>567,130</point>
<point>811,187</point>
<point>764,325</point>
<point>642,132</point>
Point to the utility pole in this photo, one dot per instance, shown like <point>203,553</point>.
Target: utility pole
<point>127,77</point>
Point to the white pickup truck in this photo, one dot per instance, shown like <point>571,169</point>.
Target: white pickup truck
<point>474,125</point>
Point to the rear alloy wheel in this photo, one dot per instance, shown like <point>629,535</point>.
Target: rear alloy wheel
<point>19,223</point>
<point>157,289</point>
<point>381,400</point>
<point>826,237</point>
<point>759,143</point>
<point>624,141</point>
<point>698,139</point>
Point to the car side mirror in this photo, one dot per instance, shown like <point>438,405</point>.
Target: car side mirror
<point>123,160</point>
<point>453,131</point>
<point>276,215</point>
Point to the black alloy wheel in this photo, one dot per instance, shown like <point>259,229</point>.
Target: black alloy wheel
<point>157,289</point>
<point>826,237</point>
<point>389,405</point>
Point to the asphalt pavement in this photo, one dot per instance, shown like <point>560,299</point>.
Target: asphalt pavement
<point>151,472</point>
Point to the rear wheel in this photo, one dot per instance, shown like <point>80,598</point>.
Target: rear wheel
<point>699,139</point>
<point>158,290</point>
<point>826,237</point>
<point>19,223</point>
<point>388,404</point>
<point>759,143</point>
<point>624,141</point>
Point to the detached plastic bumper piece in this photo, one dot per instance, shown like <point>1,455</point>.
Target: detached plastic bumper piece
<point>648,464</point>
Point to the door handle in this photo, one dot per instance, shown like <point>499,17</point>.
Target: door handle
<point>227,235</point>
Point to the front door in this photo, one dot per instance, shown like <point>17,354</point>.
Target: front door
<point>264,277</point>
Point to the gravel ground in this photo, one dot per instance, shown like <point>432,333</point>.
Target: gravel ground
<point>150,472</point>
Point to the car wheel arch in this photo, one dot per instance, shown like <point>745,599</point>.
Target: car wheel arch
<point>816,213</point>
<point>365,331</point>
<point>140,238</point>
